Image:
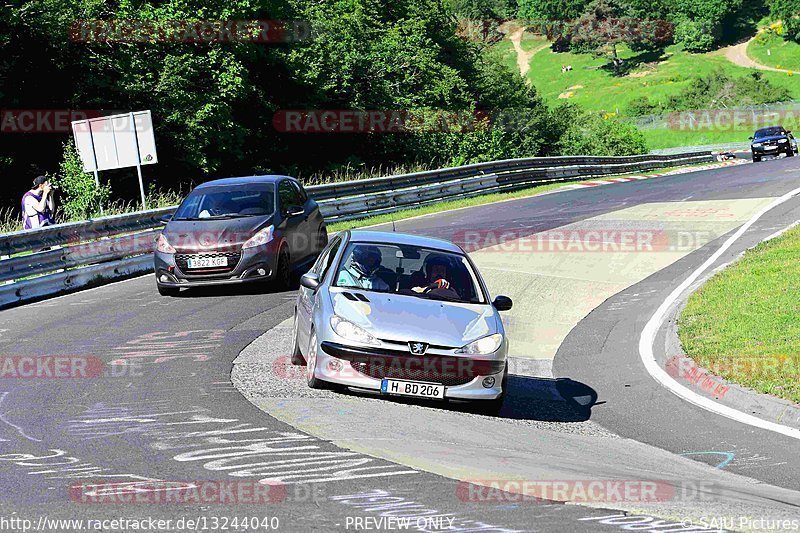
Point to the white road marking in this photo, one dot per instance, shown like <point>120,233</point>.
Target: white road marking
<point>651,329</point>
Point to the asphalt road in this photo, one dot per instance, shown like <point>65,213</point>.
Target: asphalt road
<point>171,414</point>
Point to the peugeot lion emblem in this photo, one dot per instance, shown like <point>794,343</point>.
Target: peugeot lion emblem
<point>418,348</point>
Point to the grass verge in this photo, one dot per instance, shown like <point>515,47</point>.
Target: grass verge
<point>743,324</point>
<point>775,51</point>
<point>468,202</point>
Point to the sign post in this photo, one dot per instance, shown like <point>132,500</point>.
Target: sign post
<point>117,141</point>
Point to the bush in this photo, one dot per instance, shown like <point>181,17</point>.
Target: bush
<point>589,133</point>
<point>79,197</point>
<point>788,12</point>
<point>719,89</point>
<point>696,35</point>
<point>641,106</point>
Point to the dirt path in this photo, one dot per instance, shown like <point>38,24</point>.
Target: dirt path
<point>737,54</point>
<point>523,57</point>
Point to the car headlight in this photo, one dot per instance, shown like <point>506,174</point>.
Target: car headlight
<point>259,239</point>
<point>757,145</point>
<point>483,346</point>
<point>348,330</point>
<point>783,140</point>
<point>164,246</point>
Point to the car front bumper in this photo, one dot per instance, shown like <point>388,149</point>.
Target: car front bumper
<point>463,377</point>
<point>170,275</point>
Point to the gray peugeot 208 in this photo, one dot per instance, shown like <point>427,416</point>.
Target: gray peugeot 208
<point>239,230</point>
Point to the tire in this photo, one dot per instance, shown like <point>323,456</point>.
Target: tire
<point>283,272</point>
<point>297,355</point>
<point>167,291</point>
<point>322,239</point>
<point>311,364</point>
<point>756,159</point>
<point>790,152</point>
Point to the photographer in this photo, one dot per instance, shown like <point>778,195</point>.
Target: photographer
<point>38,206</point>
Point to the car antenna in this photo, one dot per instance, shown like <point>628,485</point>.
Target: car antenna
<point>394,229</point>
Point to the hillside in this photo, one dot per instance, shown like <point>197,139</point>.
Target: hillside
<point>656,75</point>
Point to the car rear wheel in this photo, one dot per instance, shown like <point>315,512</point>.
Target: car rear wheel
<point>167,291</point>
<point>311,365</point>
<point>297,355</point>
<point>283,275</point>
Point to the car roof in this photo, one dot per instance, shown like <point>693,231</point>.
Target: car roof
<point>771,128</point>
<point>388,237</point>
<point>244,180</point>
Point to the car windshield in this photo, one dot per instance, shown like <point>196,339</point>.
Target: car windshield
<point>410,270</point>
<point>252,200</point>
<point>769,132</point>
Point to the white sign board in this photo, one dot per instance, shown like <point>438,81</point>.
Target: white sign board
<point>117,141</point>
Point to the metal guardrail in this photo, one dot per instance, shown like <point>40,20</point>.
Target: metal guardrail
<point>722,147</point>
<point>57,259</point>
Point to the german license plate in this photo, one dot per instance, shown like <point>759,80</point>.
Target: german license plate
<point>412,388</point>
<point>207,262</point>
<point>770,148</point>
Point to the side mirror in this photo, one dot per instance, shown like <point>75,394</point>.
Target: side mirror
<point>309,280</point>
<point>502,303</point>
<point>165,219</point>
<point>750,138</point>
<point>294,210</point>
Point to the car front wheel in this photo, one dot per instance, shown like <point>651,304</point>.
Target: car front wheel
<point>283,274</point>
<point>311,364</point>
<point>297,355</point>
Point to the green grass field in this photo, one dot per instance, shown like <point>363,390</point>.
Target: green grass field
<point>774,51</point>
<point>656,75</point>
<point>743,324</point>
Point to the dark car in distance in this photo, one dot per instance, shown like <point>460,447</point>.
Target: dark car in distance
<point>772,141</point>
<point>239,230</point>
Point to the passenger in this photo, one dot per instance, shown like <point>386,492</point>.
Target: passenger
<point>363,270</point>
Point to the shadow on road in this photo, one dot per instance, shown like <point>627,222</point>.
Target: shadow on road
<point>527,398</point>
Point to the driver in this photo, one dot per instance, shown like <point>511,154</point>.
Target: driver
<point>435,276</point>
<point>363,269</point>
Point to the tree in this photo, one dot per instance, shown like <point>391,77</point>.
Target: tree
<point>605,24</point>
<point>547,11</point>
<point>788,12</point>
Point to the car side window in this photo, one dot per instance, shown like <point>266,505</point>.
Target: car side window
<point>326,259</point>
<point>301,193</point>
<point>287,195</point>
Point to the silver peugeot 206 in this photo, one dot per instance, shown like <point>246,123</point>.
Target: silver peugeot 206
<point>401,315</point>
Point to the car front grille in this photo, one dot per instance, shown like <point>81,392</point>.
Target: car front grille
<point>380,371</point>
<point>182,261</point>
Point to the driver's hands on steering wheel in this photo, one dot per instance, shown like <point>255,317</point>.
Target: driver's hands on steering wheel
<point>438,284</point>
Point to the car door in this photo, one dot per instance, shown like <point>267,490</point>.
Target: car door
<point>292,226</point>
<point>306,297</point>
<point>311,220</point>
